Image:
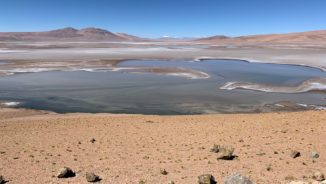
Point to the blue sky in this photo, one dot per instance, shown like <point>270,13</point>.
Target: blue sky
<point>156,18</point>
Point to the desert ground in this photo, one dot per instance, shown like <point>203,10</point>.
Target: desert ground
<point>35,145</point>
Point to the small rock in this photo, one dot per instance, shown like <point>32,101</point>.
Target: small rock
<point>164,172</point>
<point>237,178</point>
<point>206,179</point>
<point>141,182</point>
<point>299,182</point>
<point>225,153</point>
<point>92,140</point>
<point>91,177</point>
<point>2,179</point>
<point>171,182</point>
<point>215,148</point>
<point>295,154</point>
<point>66,172</point>
<point>318,176</point>
<point>290,178</point>
<point>314,154</point>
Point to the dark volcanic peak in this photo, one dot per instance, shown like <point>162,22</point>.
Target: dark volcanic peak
<point>68,34</point>
<point>66,29</point>
<point>65,32</point>
<point>216,37</point>
<point>91,30</point>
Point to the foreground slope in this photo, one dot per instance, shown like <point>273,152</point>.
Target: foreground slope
<point>130,148</point>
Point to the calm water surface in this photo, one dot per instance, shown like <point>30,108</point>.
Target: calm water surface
<point>120,92</point>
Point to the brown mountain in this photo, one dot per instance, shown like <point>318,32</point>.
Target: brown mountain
<point>289,38</point>
<point>68,34</point>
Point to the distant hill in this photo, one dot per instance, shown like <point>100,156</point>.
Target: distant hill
<point>68,34</point>
<point>301,37</point>
<point>97,34</point>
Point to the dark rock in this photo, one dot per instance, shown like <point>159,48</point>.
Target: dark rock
<point>66,172</point>
<point>237,178</point>
<point>318,176</point>
<point>295,154</point>
<point>141,182</point>
<point>2,179</point>
<point>269,167</point>
<point>91,177</point>
<point>206,179</point>
<point>92,140</point>
<point>171,182</point>
<point>164,172</point>
<point>314,154</point>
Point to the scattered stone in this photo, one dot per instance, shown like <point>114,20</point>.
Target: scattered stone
<point>299,182</point>
<point>171,182</point>
<point>215,149</point>
<point>206,179</point>
<point>225,153</point>
<point>164,172</point>
<point>290,178</point>
<point>2,179</point>
<point>261,154</point>
<point>318,176</point>
<point>295,154</point>
<point>66,172</point>
<point>237,178</point>
<point>146,157</point>
<point>92,140</point>
<point>314,154</point>
<point>91,177</point>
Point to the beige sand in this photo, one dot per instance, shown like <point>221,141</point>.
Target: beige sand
<point>129,148</point>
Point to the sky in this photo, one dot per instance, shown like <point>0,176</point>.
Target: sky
<point>157,18</point>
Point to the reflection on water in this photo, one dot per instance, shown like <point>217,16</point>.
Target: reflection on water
<point>121,92</point>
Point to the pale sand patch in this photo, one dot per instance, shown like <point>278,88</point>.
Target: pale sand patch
<point>129,148</point>
<point>314,84</point>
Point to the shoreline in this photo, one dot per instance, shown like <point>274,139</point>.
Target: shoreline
<point>259,61</point>
<point>276,107</point>
<point>113,67</point>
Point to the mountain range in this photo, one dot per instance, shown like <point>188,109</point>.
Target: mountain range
<point>288,38</point>
<point>68,34</point>
<point>97,34</point>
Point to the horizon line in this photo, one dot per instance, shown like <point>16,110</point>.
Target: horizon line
<point>166,35</point>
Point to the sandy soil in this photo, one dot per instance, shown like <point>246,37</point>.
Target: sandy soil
<point>129,148</point>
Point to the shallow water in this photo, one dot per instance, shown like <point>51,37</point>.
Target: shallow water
<point>122,92</point>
